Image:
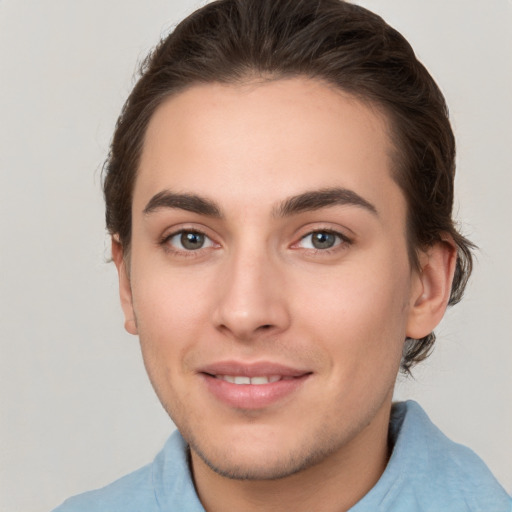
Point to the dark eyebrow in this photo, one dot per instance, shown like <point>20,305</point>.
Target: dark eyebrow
<point>317,199</point>
<point>189,202</point>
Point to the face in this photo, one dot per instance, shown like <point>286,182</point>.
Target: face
<point>269,280</point>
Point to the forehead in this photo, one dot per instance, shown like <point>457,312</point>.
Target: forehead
<point>263,141</point>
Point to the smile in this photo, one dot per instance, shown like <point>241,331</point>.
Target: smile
<point>252,386</point>
<point>257,381</point>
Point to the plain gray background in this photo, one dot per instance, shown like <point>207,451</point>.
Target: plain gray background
<point>77,410</point>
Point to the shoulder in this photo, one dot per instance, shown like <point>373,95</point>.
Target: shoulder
<point>443,474</point>
<point>133,492</point>
<point>164,484</point>
<point>454,472</point>
<point>428,472</point>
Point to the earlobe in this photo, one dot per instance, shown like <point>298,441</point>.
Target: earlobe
<point>125,291</point>
<point>432,288</point>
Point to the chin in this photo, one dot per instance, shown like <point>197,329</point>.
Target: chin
<point>261,462</point>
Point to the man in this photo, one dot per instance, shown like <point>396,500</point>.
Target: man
<point>279,194</point>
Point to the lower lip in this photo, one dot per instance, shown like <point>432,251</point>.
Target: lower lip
<point>252,396</point>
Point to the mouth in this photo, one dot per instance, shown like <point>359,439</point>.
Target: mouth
<point>255,381</point>
<point>252,386</point>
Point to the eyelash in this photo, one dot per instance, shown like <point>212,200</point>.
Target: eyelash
<point>188,253</point>
<point>342,242</point>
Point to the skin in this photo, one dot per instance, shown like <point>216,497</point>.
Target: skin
<point>258,289</point>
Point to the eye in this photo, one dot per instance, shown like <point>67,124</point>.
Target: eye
<point>189,241</point>
<point>321,240</point>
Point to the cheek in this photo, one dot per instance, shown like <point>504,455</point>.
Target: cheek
<point>170,321</point>
<point>171,310</point>
<point>359,314</point>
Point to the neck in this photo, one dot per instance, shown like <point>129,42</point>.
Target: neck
<point>334,485</point>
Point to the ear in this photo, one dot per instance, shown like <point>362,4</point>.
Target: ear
<point>431,289</point>
<point>125,290</point>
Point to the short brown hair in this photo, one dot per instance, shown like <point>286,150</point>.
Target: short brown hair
<point>231,41</point>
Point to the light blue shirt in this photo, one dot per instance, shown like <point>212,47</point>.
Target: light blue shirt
<point>426,473</point>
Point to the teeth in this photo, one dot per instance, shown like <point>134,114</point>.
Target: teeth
<point>259,380</point>
<point>250,380</point>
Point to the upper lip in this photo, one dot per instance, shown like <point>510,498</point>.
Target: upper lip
<point>257,369</point>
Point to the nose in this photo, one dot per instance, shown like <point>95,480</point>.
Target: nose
<point>252,299</point>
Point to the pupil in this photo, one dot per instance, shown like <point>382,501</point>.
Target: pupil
<point>323,240</point>
<point>192,240</point>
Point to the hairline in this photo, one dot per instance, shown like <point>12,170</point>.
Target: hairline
<point>252,76</point>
